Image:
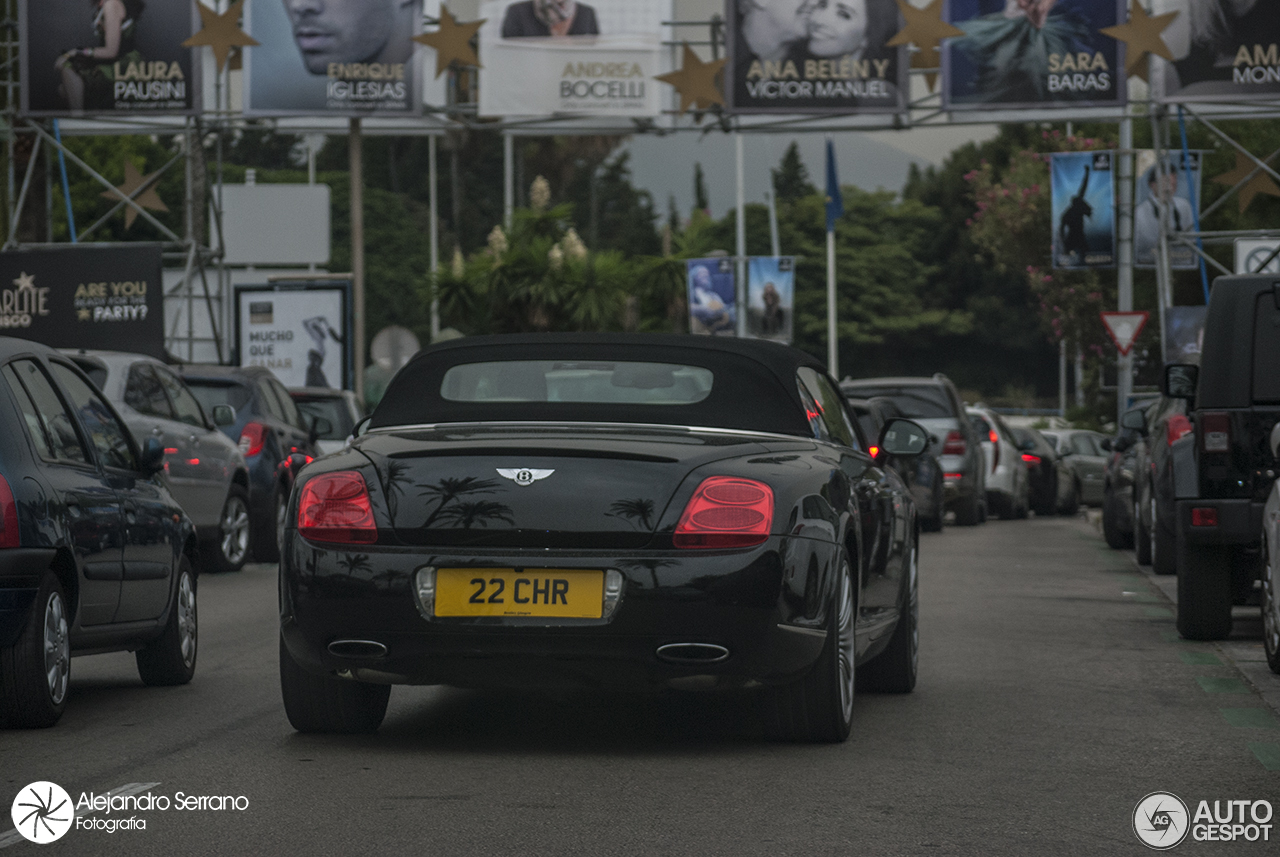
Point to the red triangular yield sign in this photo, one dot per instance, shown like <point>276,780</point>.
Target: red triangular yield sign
<point>1124,327</point>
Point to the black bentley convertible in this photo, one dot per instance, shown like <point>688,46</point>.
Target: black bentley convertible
<point>604,510</point>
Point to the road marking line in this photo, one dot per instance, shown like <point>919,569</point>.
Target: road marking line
<point>1215,684</point>
<point>1201,659</point>
<point>1250,718</point>
<point>12,836</point>
<point>1267,754</point>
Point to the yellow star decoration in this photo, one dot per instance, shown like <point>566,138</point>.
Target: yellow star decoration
<point>148,198</point>
<point>695,81</point>
<point>25,281</point>
<point>1141,36</point>
<point>925,28</point>
<point>220,32</point>
<point>452,41</point>
<point>928,58</point>
<point>82,315</point>
<point>1260,183</point>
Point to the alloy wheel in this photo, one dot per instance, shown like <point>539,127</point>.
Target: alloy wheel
<point>57,648</point>
<point>186,608</point>
<point>235,530</point>
<point>845,643</point>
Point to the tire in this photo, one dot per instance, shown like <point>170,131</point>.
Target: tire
<point>932,525</point>
<point>316,703</point>
<point>1164,558</point>
<point>1073,501</point>
<point>1110,526</point>
<point>170,659</point>
<point>969,511</point>
<point>266,532</point>
<point>1142,547</point>
<point>895,669</point>
<point>818,708</point>
<point>35,672</point>
<point>1048,503</point>
<point>230,550</point>
<point>1270,608</point>
<point>1204,592</point>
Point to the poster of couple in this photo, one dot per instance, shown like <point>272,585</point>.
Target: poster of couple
<point>814,56</point>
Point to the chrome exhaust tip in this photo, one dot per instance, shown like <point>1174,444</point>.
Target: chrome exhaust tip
<point>692,653</point>
<point>357,649</point>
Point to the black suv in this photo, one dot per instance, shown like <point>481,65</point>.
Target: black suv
<point>1224,470</point>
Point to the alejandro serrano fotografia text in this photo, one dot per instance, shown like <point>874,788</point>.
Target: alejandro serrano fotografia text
<point>148,802</point>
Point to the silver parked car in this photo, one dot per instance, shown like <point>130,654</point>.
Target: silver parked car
<point>206,471</point>
<point>1082,451</point>
<point>339,409</point>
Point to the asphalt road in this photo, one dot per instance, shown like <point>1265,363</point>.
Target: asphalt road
<point>1053,695</point>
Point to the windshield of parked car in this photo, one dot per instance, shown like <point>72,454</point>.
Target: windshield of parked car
<point>919,401</point>
<point>210,393</point>
<point>333,410</point>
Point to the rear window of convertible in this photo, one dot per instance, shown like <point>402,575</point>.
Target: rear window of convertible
<point>583,381</point>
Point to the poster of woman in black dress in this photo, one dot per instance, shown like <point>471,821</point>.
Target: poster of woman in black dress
<point>106,57</point>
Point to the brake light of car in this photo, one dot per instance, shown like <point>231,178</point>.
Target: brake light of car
<point>874,450</point>
<point>1176,428</point>
<point>953,477</point>
<point>1204,516</point>
<point>954,443</point>
<point>334,507</point>
<point>8,517</point>
<point>1031,460</point>
<point>252,437</point>
<point>726,512</point>
<point>994,435</point>
<point>1215,429</point>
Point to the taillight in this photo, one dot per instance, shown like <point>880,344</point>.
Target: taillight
<point>8,517</point>
<point>335,507</point>
<point>1031,460</point>
<point>1177,427</point>
<point>1215,431</point>
<point>995,437</point>
<point>252,437</point>
<point>1204,516</point>
<point>874,450</point>
<point>726,512</point>
<point>954,443</point>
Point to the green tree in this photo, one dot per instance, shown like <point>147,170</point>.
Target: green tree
<point>701,202</point>
<point>791,179</point>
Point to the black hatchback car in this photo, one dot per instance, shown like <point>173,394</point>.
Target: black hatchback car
<point>95,554</point>
<point>273,435</point>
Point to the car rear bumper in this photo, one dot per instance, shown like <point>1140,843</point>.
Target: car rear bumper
<point>761,605</point>
<point>1239,522</point>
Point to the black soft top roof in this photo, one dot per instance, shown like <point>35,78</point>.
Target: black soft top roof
<point>754,385</point>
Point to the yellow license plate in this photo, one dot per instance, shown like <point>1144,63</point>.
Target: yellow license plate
<point>562,593</point>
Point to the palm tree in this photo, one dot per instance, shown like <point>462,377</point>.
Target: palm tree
<point>478,512</point>
<point>396,472</point>
<point>451,488</point>
<point>632,509</point>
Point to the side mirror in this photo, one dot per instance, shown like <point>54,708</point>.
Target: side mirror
<point>1134,420</point>
<point>319,426</point>
<point>1180,380</point>
<point>1106,444</point>
<point>224,415</point>
<point>903,437</point>
<point>152,460</point>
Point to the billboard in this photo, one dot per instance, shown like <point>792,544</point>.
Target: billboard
<point>1084,224</point>
<point>337,59</point>
<point>301,332</point>
<point>543,57</point>
<point>1183,333</point>
<point>796,56</point>
<point>81,296</point>
<point>1033,55</point>
<point>1160,188</point>
<point>771,285</point>
<point>1254,256</point>
<point>713,300</point>
<point>1222,51</point>
<point>108,58</point>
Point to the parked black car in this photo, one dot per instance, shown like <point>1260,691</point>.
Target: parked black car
<point>936,404</point>
<point>1224,470</point>
<point>95,554</point>
<point>1162,426</point>
<point>1119,477</point>
<point>275,439</point>
<point>1052,491</point>
<point>599,510</point>
<point>922,473</point>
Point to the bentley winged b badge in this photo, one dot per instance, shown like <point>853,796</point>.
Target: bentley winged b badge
<point>523,475</point>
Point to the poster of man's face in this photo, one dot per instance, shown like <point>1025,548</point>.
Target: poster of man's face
<point>343,57</point>
<point>1222,50</point>
<point>712,297</point>
<point>813,56</point>
<point>107,58</point>
<point>1164,190</point>
<point>770,297</point>
<point>1083,210</point>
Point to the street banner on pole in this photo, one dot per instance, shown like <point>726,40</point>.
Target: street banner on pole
<point>787,56</point>
<point>301,332</point>
<point>109,58</point>
<point>1034,55</point>
<point>1222,51</point>
<point>712,296</point>
<point>1161,186</point>
<point>544,57</point>
<point>1124,327</point>
<point>1084,224</point>
<point>332,59</point>
<point>1184,333</point>
<point>770,297</point>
